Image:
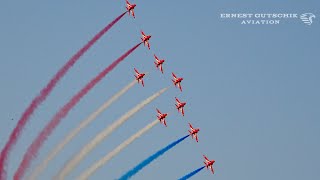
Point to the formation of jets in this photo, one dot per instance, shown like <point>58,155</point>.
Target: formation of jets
<point>193,132</point>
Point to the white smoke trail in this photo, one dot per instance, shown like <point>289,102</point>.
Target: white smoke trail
<point>117,150</point>
<point>41,167</point>
<point>71,164</point>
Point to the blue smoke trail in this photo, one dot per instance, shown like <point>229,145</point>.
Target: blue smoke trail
<point>147,161</point>
<point>191,174</point>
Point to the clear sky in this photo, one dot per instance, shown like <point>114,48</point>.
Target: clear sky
<point>253,90</point>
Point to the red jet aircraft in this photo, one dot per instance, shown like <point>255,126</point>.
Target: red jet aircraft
<point>145,39</point>
<point>130,8</point>
<point>180,106</point>
<point>139,77</point>
<point>209,163</point>
<point>159,63</point>
<point>162,117</point>
<point>194,132</point>
<point>176,81</point>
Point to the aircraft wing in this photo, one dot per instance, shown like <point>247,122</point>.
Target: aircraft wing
<point>190,126</point>
<point>212,170</point>
<point>179,85</point>
<point>148,44</point>
<point>196,137</point>
<point>205,157</point>
<point>164,122</point>
<point>161,68</point>
<point>156,57</point>
<point>175,77</point>
<point>132,12</point>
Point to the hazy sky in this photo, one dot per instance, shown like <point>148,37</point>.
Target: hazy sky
<point>253,90</point>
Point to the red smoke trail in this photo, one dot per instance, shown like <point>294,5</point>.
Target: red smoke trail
<point>43,95</point>
<point>37,143</point>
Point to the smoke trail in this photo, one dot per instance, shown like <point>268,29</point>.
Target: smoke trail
<point>43,135</point>
<point>117,150</point>
<point>147,161</point>
<point>191,174</point>
<point>71,164</point>
<point>75,131</point>
<point>43,95</point>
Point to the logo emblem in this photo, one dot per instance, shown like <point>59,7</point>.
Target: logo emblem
<point>307,18</point>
